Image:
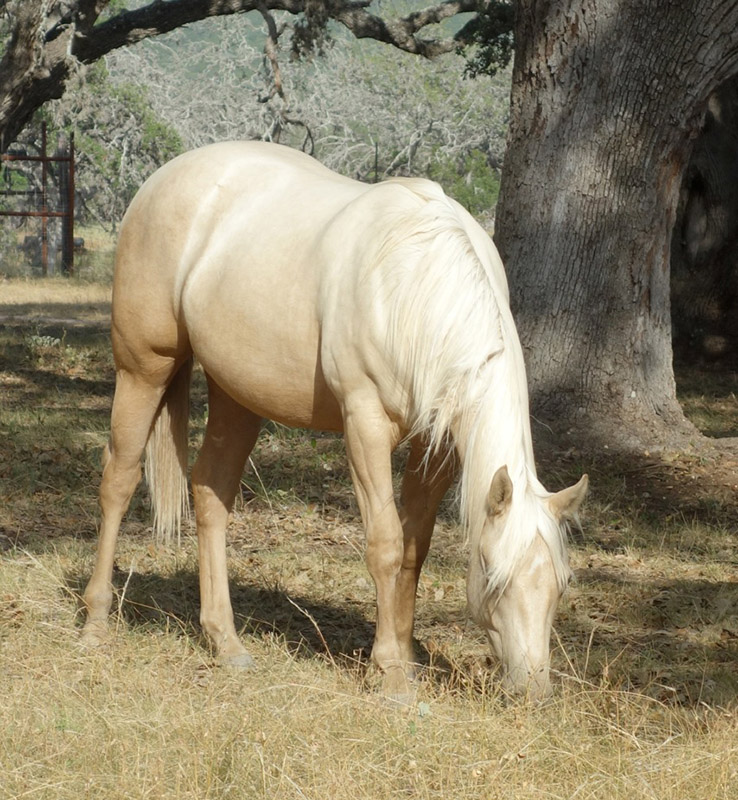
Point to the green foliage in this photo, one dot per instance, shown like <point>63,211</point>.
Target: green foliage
<point>159,141</point>
<point>119,140</point>
<point>472,182</point>
<point>310,31</point>
<point>14,180</point>
<point>490,34</point>
<point>11,261</point>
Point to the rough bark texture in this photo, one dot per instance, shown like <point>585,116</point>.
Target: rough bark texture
<point>704,252</point>
<point>607,98</point>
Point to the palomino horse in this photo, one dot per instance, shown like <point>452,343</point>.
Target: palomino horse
<point>320,302</point>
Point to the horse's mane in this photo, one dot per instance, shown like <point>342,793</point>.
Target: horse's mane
<point>451,336</point>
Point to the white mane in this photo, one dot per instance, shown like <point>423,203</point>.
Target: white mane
<point>452,338</point>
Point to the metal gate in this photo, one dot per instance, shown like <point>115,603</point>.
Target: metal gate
<point>40,200</point>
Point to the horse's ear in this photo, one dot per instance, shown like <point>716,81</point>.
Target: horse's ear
<point>565,504</point>
<point>500,492</point>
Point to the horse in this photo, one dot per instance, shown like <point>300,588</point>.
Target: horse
<point>377,310</point>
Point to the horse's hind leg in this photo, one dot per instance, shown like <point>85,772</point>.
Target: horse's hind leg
<point>229,437</point>
<point>424,484</point>
<point>135,404</point>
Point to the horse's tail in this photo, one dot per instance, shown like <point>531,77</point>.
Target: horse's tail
<point>166,457</point>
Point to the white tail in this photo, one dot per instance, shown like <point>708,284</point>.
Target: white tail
<point>166,457</point>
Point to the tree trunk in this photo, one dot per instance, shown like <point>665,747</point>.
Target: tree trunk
<point>607,96</point>
<point>704,245</point>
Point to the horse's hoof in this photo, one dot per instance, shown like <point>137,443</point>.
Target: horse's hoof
<point>93,636</point>
<point>400,700</point>
<point>237,661</point>
<point>398,689</point>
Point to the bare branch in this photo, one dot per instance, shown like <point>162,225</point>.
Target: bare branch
<point>402,32</point>
<point>270,51</point>
<point>45,49</point>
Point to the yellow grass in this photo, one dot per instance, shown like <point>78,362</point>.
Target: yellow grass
<point>149,717</point>
<point>53,299</point>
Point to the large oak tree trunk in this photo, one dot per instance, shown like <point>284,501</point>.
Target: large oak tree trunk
<point>607,96</point>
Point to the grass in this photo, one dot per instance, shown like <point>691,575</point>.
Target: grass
<point>709,395</point>
<point>645,646</point>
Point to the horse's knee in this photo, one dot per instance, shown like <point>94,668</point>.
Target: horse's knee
<point>384,557</point>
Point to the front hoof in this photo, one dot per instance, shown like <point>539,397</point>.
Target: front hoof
<point>398,688</point>
<point>237,661</point>
<point>94,634</point>
<point>401,700</point>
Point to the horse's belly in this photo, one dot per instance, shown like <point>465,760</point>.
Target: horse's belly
<point>277,392</point>
<point>266,359</point>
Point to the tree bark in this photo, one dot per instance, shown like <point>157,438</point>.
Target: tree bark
<point>607,97</point>
<point>704,250</point>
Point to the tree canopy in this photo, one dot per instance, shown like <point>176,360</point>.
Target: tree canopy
<point>44,42</point>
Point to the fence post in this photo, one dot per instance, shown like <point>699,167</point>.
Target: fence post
<point>66,197</point>
<point>65,212</point>
<point>44,209</point>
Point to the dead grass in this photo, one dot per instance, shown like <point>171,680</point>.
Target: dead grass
<point>646,641</point>
<point>54,301</point>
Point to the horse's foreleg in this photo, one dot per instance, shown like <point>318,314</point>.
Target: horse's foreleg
<point>370,439</point>
<point>135,404</point>
<point>229,437</point>
<point>424,484</point>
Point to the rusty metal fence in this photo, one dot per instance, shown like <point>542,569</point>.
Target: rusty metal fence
<point>47,200</point>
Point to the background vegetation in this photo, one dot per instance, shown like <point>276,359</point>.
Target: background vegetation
<point>363,109</point>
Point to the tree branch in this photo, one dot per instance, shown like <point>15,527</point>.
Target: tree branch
<point>402,32</point>
<point>160,17</point>
<point>270,52</point>
<point>44,49</point>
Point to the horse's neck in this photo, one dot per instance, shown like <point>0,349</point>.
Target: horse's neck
<point>498,431</point>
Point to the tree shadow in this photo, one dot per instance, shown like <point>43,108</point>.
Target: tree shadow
<point>307,629</point>
<point>673,640</point>
<point>41,370</point>
<point>49,315</point>
<point>693,483</point>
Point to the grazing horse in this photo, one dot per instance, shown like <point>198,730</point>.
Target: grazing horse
<point>317,301</point>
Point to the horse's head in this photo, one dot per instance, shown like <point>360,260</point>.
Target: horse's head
<point>517,612</point>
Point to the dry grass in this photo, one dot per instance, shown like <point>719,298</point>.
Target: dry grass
<point>646,640</point>
<point>151,717</point>
<point>56,300</point>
